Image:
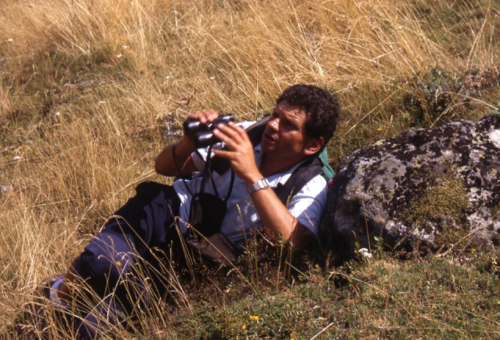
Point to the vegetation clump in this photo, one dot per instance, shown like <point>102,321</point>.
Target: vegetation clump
<point>446,198</point>
<point>378,297</point>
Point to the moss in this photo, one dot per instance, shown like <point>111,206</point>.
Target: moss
<point>451,236</point>
<point>447,198</point>
<point>227,327</point>
<point>495,210</point>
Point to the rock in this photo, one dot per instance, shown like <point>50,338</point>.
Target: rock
<point>426,187</point>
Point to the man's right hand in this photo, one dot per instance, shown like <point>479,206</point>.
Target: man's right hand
<point>166,164</point>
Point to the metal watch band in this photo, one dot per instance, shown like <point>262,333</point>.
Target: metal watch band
<point>260,184</point>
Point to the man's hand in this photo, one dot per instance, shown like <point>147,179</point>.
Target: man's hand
<point>273,213</point>
<point>240,152</point>
<point>166,161</point>
<point>204,116</point>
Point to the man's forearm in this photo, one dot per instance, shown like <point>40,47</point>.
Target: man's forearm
<point>274,215</point>
<point>277,219</point>
<point>169,163</point>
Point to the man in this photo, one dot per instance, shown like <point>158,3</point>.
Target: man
<point>301,124</point>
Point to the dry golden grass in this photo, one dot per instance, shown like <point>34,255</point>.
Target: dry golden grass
<point>88,89</point>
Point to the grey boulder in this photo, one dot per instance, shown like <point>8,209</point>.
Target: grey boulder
<point>430,188</point>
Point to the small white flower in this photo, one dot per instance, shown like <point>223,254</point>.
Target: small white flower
<point>212,78</point>
<point>119,56</point>
<point>365,252</point>
<point>57,113</point>
<point>167,77</point>
<point>17,157</point>
<point>10,40</point>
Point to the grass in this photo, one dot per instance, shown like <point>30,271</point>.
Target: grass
<point>378,298</point>
<point>90,91</point>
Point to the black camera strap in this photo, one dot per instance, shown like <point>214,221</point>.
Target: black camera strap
<point>207,213</point>
<point>208,173</point>
<point>207,210</point>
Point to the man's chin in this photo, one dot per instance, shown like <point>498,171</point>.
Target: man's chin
<point>267,148</point>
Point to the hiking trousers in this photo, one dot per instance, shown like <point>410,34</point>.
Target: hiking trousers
<point>143,228</point>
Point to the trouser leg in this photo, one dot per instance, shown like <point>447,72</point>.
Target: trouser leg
<point>137,227</point>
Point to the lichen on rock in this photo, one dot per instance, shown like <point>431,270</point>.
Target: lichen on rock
<point>433,187</point>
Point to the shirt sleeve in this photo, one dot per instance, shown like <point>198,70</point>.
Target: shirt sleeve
<point>200,157</point>
<point>308,205</point>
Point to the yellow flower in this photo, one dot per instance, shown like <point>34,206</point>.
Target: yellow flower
<point>254,317</point>
<point>118,263</point>
<point>473,250</point>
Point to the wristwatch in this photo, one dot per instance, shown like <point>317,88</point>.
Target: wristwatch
<point>260,184</point>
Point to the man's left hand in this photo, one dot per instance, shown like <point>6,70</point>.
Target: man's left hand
<point>240,151</point>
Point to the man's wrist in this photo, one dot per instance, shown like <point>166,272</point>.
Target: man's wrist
<point>252,178</point>
<point>262,183</point>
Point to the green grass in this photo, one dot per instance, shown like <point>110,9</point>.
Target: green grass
<point>382,297</point>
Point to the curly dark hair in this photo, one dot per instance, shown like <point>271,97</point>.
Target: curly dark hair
<point>323,111</point>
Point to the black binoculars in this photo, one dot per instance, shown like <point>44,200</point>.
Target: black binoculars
<point>202,133</point>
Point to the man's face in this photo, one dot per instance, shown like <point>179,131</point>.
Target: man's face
<point>284,136</point>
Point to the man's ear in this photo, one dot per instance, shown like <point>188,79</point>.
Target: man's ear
<point>313,145</point>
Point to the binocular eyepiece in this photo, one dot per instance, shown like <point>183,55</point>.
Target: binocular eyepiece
<point>202,133</point>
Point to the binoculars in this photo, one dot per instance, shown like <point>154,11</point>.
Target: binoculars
<point>202,133</point>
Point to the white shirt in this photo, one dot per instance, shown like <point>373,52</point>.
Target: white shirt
<point>307,206</point>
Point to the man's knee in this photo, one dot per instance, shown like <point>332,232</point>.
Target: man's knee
<point>102,266</point>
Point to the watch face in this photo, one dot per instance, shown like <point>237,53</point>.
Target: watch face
<point>260,184</point>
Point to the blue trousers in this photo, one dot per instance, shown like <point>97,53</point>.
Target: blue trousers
<point>144,224</point>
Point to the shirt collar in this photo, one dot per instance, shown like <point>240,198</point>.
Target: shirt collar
<point>275,179</point>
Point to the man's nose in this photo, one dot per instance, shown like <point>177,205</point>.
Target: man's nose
<point>274,123</point>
